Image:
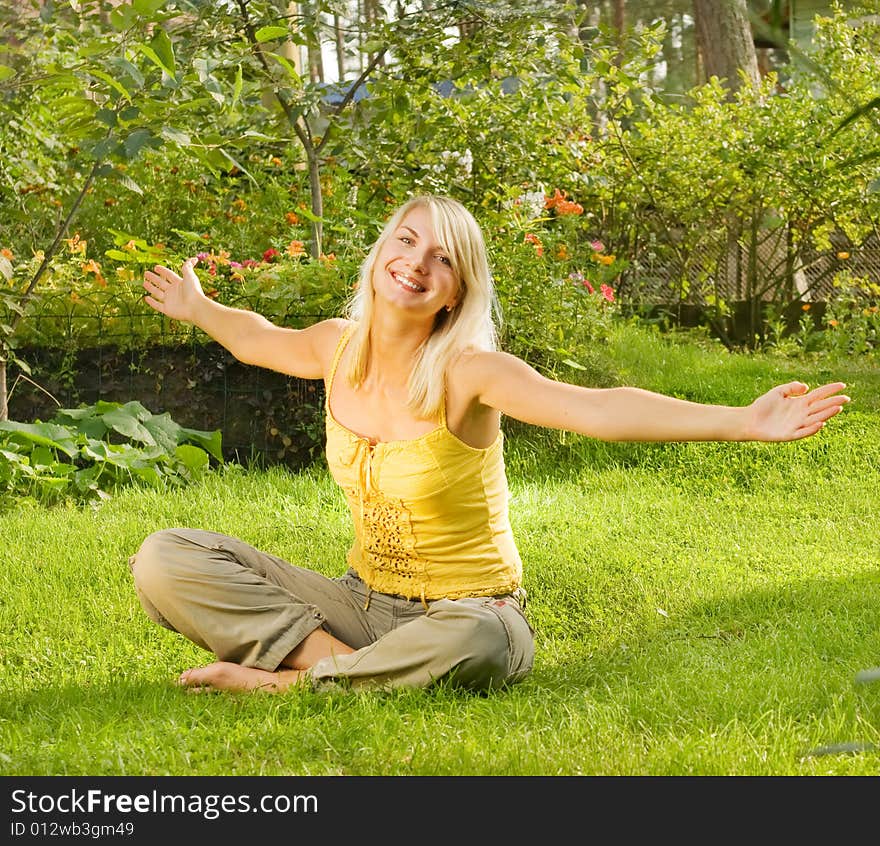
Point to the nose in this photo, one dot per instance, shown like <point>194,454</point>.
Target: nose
<point>418,262</point>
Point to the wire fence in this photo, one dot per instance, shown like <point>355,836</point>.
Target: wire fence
<point>83,349</point>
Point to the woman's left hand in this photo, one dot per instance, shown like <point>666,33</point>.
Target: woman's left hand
<point>792,411</point>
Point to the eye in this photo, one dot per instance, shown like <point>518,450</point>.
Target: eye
<point>445,260</point>
<point>405,239</point>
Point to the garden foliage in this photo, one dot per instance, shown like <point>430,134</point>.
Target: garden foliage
<point>88,452</point>
<point>600,194</point>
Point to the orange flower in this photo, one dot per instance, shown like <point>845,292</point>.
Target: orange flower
<point>276,161</point>
<point>7,253</point>
<point>843,255</point>
<point>531,238</point>
<point>291,218</point>
<point>91,266</point>
<point>328,257</point>
<point>76,245</point>
<point>239,203</point>
<point>562,252</point>
<point>833,323</point>
<point>805,307</point>
<point>561,205</point>
<point>296,249</point>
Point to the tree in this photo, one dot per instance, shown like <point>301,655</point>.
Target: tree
<point>726,45</point>
<point>82,95</point>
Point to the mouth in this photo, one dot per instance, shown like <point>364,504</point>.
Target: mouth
<point>406,283</point>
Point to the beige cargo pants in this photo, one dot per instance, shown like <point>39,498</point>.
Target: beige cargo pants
<point>253,609</point>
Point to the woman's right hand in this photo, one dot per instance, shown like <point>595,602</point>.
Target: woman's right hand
<point>177,297</point>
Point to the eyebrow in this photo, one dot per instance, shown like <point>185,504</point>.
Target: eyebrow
<point>414,232</point>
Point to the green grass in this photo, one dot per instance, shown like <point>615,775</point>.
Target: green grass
<point>701,609</point>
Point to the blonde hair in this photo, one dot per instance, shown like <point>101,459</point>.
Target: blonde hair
<point>470,324</point>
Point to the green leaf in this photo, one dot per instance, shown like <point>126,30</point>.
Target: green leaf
<point>42,456</point>
<point>573,364</point>
<point>122,17</point>
<point>6,72</point>
<point>6,268</point>
<point>106,116</point>
<point>211,441</point>
<point>137,139</point>
<point>122,67</point>
<point>125,180</point>
<point>149,474</point>
<point>165,431</point>
<point>175,136</point>
<point>194,459</point>
<point>46,434</point>
<point>110,81</point>
<point>148,7</point>
<point>164,50</point>
<point>153,56</point>
<point>270,33</point>
<point>123,421</point>
<point>236,90</point>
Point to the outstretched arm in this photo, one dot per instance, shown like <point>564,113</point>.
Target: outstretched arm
<point>250,337</point>
<point>785,413</point>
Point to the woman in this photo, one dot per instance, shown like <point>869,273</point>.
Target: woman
<point>415,389</point>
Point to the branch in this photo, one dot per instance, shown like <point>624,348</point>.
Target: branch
<point>50,253</point>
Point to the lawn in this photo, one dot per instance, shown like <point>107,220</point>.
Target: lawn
<point>700,609</point>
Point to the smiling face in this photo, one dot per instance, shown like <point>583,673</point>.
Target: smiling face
<point>413,271</point>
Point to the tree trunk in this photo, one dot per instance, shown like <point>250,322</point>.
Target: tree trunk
<point>619,21</point>
<point>4,402</point>
<point>339,38</point>
<point>725,42</point>
<point>316,58</point>
<point>317,203</point>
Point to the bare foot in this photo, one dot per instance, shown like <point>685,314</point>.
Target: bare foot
<point>224,675</point>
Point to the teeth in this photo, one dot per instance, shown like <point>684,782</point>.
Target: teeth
<point>407,283</point>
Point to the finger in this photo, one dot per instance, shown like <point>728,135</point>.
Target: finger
<point>836,403</point>
<point>156,288</point>
<point>793,389</point>
<point>156,280</point>
<point>809,430</point>
<point>824,391</point>
<point>166,274</point>
<point>824,414</point>
<point>187,268</point>
<point>156,304</point>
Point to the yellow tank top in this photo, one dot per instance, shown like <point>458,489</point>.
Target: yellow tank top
<point>430,513</point>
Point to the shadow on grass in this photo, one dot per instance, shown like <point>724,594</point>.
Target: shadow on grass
<point>799,651</point>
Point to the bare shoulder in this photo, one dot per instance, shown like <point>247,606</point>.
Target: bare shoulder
<point>475,371</point>
<point>325,336</point>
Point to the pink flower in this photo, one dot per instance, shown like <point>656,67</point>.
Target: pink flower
<point>608,293</point>
<point>597,246</point>
<point>202,256</point>
<point>589,287</point>
<point>235,264</point>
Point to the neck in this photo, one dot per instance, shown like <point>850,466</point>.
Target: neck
<point>394,343</point>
